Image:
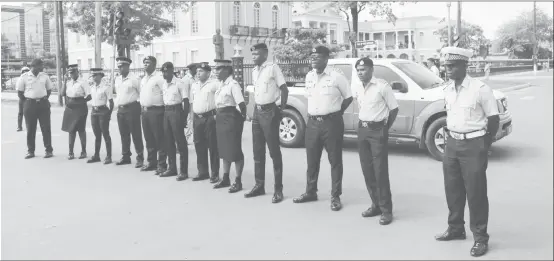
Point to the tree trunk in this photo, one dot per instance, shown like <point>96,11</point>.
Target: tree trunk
<point>354,13</point>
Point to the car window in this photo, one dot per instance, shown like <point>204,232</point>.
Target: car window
<point>346,70</point>
<point>424,77</point>
<point>388,75</point>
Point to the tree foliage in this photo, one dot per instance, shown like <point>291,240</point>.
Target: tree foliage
<point>299,43</point>
<point>145,18</point>
<point>518,36</point>
<point>472,35</point>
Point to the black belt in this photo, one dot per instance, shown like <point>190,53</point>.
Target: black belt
<point>127,105</point>
<point>76,98</point>
<point>368,124</point>
<point>36,99</point>
<point>173,107</point>
<point>149,108</point>
<point>323,117</point>
<point>96,108</point>
<point>265,106</point>
<point>206,114</point>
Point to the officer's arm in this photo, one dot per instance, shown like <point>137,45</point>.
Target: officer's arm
<point>392,104</point>
<point>20,87</point>
<point>237,96</point>
<point>345,91</point>
<point>184,93</point>
<point>48,86</point>
<point>111,105</point>
<point>490,108</point>
<point>282,83</point>
<point>88,96</point>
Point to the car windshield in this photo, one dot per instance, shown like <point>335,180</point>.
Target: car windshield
<point>424,77</point>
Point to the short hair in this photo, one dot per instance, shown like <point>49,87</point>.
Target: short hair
<point>167,66</point>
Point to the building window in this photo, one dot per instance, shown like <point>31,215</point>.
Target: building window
<point>333,36</point>
<point>175,21</point>
<point>360,36</point>
<point>194,19</point>
<point>79,63</point>
<point>297,24</point>
<point>366,36</point>
<point>89,63</point>
<point>175,56</point>
<point>313,25</point>
<point>256,14</point>
<point>421,34</point>
<point>236,13</point>
<point>275,16</point>
<point>193,56</point>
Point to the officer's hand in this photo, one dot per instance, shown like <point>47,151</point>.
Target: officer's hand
<point>244,117</point>
<point>488,141</point>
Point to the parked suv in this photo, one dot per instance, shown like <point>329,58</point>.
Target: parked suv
<point>421,118</point>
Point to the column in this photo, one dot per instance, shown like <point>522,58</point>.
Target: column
<point>396,40</point>
<point>384,40</point>
<point>410,39</point>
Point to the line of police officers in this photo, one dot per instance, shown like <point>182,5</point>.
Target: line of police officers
<point>472,121</point>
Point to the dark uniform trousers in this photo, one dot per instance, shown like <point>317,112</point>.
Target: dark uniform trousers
<point>373,151</point>
<point>20,113</point>
<point>153,128</point>
<point>100,122</point>
<point>265,130</point>
<point>205,139</point>
<point>464,167</point>
<point>174,129</point>
<point>33,110</point>
<point>328,132</point>
<point>128,120</point>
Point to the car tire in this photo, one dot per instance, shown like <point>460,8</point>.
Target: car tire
<point>292,129</point>
<point>434,133</point>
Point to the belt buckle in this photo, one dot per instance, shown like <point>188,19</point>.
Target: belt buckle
<point>364,124</point>
<point>259,107</point>
<point>319,118</point>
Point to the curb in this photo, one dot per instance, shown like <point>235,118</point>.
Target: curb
<point>516,87</point>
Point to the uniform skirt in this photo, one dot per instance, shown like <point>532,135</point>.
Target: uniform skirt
<point>229,124</point>
<point>75,115</point>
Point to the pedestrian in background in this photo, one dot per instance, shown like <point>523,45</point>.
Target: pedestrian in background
<point>101,96</point>
<point>35,88</point>
<point>432,65</point>
<point>21,103</point>
<point>487,70</point>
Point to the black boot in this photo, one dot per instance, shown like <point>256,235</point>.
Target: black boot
<point>237,186</point>
<point>225,182</point>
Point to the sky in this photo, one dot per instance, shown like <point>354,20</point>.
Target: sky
<point>489,15</point>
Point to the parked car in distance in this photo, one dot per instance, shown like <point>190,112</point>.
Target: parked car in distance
<point>421,118</point>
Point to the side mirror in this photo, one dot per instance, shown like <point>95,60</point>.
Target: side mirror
<point>398,86</point>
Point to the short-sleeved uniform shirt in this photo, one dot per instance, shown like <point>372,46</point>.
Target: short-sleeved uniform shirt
<point>375,100</point>
<point>100,94</point>
<point>203,96</point>
<point>151,90</point>
<point>267,80</point>
<point>228,94</point>
<point>34,87</point>
<point>188,80</point>
<point>174,92</point>
<point>127,89</point>
<point>325,92</point>
<point>77,88</point>
<point>468,108</point>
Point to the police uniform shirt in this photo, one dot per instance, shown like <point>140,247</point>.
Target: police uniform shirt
<point>203,96</point>
<point>127,89</point>
<point>174,92</point>
<point>267,80</point>
<point>188,80</point>
<point>326,92</point>
<point>228,94</point>
<point>100,94</point>
<point>34,87</point>
<point>375,100</point>
<point>77,88</point>
<point>468,109</point>
<point>151,90</point>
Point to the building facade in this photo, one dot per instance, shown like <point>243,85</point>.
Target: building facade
<point>242,24</point>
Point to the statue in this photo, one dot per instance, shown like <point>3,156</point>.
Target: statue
<point>218,42</point>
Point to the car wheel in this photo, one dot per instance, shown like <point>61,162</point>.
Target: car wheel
<point>291,129</point>
<point>435,138</point>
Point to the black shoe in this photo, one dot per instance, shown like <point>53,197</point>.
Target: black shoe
<point>139,164</point>
<point>225,182</point>
<point>19,129</point>
<point>306,197</point>
<point>30,155</point>
<point>236,187</point>
<point>386,218</point>
<point>277,197</point>
<point>201,177</point>
<point>479,249</point>
<point>48,155</point>
<point>94,159</point>
<point>214,179</point>
<point>371,212</point>
<point>168,173</point>
<point>257,190</point>
<point>449,235</point>
<point>159,171</point>
<point>123,161</point>
<point>71,156</point>
<point>148,168</point>
<point>107,160</point>
<point>182,177</point>
<point>335,204</point>
<point>83,155</point>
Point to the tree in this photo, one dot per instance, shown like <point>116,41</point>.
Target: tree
<point>299,43</point>
<point>517,35</point>
<point>472,35</point>
<point>145,18</point>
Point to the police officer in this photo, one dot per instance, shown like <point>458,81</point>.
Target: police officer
<point>229,125</point>
<point>77,93</point>
<point>189,79</point>
<point>127,88</point>
<point>328,97</point>
<point>151,100</point>
<point>101,96</point>
<point>377,111</point>
<point>176,102</point>
<point>35,88</point>
<point>270,85</point>
<point>472,121</point>
<point>21,103</point>
<point>205,139</point>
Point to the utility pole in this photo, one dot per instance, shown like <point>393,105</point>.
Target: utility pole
<point>459,21</point>
<point>58,60</point>
<point>98,35</point>
<point>114,52</point>
<point>535,40</point>
<point>62,39</point>
<point>449,25</point>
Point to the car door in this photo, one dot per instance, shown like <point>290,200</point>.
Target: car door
<point>349,116</point>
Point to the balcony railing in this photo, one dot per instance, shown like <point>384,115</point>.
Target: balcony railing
<point>259,31</point>
<point>239,30</point>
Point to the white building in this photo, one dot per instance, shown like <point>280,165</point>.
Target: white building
<point>242,23</point>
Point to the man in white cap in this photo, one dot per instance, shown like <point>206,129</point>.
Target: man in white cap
<point>21,102</point>
<point>472,121</point>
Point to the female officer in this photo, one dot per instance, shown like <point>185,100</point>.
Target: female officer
<point>229,124</point>
<point>102,95</point>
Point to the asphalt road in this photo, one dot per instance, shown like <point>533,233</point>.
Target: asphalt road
<point>60,209</point>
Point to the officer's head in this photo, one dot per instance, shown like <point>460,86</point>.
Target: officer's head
<point>149,63</point>
<point>192,69</point>
<point>25,70</point>
<point>97,75</point>
<point>123,64</point>
<point>259,53</point>
<point>364,67</point>
<point>223,69</point>
<point>203,71</point>
<point>455,62</point>
<point>36,66</point>
<point>320,57</point>
<point>167,71</point>
<point>73,70</point>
